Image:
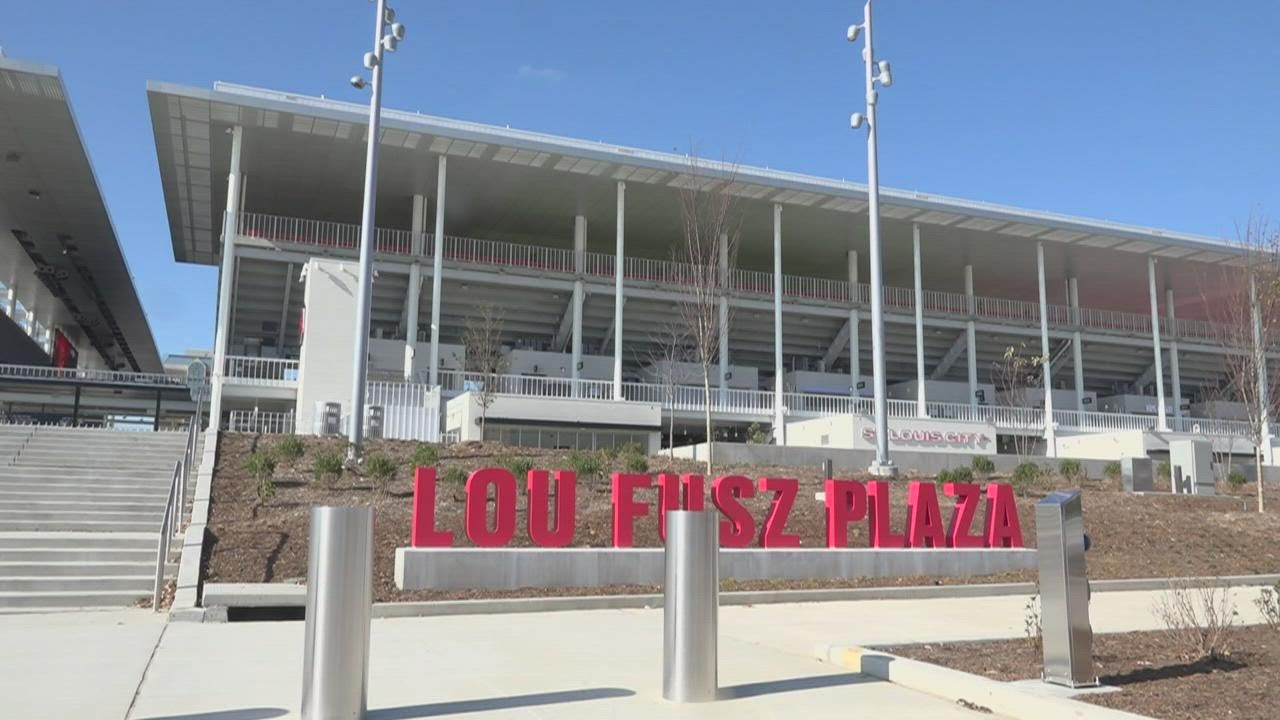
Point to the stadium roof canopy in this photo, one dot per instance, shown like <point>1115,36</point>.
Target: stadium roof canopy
<point>53,218</point>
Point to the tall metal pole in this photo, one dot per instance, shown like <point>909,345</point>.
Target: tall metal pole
<point>882,465</point>
<point>364,293</point>
<point>921,402</point>
<point>1155,344</point>
<point>226,276</point>
<point>1050,431</point>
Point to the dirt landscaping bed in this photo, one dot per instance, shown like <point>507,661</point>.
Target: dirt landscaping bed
<point>1154,676</point>
<point>251,540</point>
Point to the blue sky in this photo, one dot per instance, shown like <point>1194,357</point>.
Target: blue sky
<point>1154,113</point>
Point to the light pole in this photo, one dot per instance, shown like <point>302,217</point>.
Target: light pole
<point>876,72</point>
<point>384,39</point>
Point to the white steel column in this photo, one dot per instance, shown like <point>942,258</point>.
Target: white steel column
<point>284,308</point>
<point>1050,432</point>
<point>779,421</point>
<point>437,272</point>
<point>1175,375</point>
<point>414,296</point>
<point>618,271</point>
<point>1163,419</point>
<point>222,331</point>
<point>855,350</point>
<point>921,407</point>
<point>1077,342</point>
<point>971,333</point>
<point>1260,355</point>
<point>724,317</point>
<point>579,293</point>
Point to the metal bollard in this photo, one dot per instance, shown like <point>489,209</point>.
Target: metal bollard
<point>1067,636</point>
<point>691,606</point>
<point>335,661</point>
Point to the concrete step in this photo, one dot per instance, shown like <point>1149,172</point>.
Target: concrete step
<point>86,583</point>
<point>90,481</point>
<point>81,555</point>
<point>80,525</point>
<point>35,492</point>
<point>27,569</point>
<point>75,599</point>
<point>85,540</point>
<point>124,460</point>
<point>87,504</point>
<point>121,515</point>
<point>58,471</point>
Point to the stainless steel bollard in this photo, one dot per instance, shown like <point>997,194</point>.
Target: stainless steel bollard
<point>335,661</point>
<point>691,606</point>
<point>1066,635</point>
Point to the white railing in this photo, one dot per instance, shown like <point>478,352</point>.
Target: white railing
<point>88,375</point>
<point>750,282</point>
<point>1207,426</point>
<point>410,411</point>
<point>261,422</point>
<point>262,372</point>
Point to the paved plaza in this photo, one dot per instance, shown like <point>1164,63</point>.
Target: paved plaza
<point>574,664</point>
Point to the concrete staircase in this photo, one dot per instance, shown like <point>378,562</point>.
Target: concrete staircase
<point>80,510</point>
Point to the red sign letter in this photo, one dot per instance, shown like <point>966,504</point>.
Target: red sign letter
<point>423,532</point>
<point>625,508</point>
<point>775,523</point>
<point>738,527</point>
<point>540,532</point>
<point>846,502</point>
<point>878,523</point>
<point>924,519</point>
<point>504,507</point>
<point>1002,525</point>
<point>675,493</point>
<point>962,517</point>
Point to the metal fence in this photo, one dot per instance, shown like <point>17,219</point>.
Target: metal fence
<point>262,372</point>
<point>262,422</point>
<point>410,411</point>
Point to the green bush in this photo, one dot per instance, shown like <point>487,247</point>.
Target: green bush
<point>426,456</point>
<point>328,466</point>
<point>519,467</point>
<point>961,474</point>
<point>756,434</point>
<point>1237,478</point>
<point>584,464</point>
<point>262,466</point>
<point>1072,470</point>
<point>1025,474</point>
<point>454,475</point>
<point>290,448</point>
<point>982,465</point>
<point>1112,470</point>
<point>635,463</point>
<point>380,469</point>
<point>1164,470</point>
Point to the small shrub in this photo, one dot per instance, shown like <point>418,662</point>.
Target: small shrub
<point>982,466</point>
<point>1025,474</point>
<point>1199,620</point>
<point>961,474</point>
<point>1112,470</point>
<point>635,463</point>
<point>290,448</point>
<point>380,469</point>
<point>519,467</point>
<point>426,456</point>
<point>1031,622</point>
<point>943,477</point>
<point>1072,470</point>
<point>328,467</point>
<point>756,434</point>
<point>262,466</point>
<point>1164,469</point>
<point>1237,478</point>
<point>453,475</point>
<point>584,464</point>
<point>1269,605</point>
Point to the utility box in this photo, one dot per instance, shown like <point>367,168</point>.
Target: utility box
<point>1194,462</point>
<point>373,422</point>
<point>327,419</point>
<point>1135,474</point>
<point>1064,591</point>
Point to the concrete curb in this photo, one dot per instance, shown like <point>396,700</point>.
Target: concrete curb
<point>955,686</point>
<point>187,594</point>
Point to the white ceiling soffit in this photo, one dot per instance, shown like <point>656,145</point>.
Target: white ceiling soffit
<point>581,166</point>
<point>897,212</point>
<point>693,182</point>
<point>461,148</point>
<point>937,217</point>
<point>747,190</point>
<point>1101,241</point>
<point>517,156</point>
<point>1062,236</point>
<point>1138,246</point>
<point>796,197</point>
<point>981,224</point>
<point>1174,252</point>
<point>839,204</point>
<point>1022,230</point>
<point>640,174</point>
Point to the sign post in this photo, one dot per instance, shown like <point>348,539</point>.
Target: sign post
<point>691,606</point>
<point>1064,591</point>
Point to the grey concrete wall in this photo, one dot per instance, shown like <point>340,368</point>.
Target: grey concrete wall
<point>513,568</point>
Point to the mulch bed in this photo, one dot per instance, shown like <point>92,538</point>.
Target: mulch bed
<point>253,541</point>
<point>1156,676</point>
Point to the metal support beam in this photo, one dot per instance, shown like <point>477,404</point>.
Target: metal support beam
<point>1163,420</point>
<point>608,333</point>
<point>222,331</point>
<point>1050,432</point>
<point>837,345</point>
<point>284,308</point>
<point>971,337</point>
<point>564,329</point>
<point>155,419</point>
<point>414,297</point>
<point>1059,356</point>
<point>1077,342</point>
<point>921,406</point>
<point>579,295</point>
<point>855,349</point>
<point>779,419</point>
<point>437,271</point>
<point>1175,373</point>
<point>618,270</point>
<point>724,317</point>
<point>949,358</point>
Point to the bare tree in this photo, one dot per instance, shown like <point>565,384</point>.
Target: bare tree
<point>482,342</point>
<point>711,222</point>
<point>667,356</point>
<point>1013,374</point>
<point>1247,325</point>
<point>1216,403</point>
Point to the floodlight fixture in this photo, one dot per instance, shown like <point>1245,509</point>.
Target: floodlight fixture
<point>853,32</point>
<point>885,79</point>
<point>397,31</point>
<point>855,120</point>
<point>357,82</point>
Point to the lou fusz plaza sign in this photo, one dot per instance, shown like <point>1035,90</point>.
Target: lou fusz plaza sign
<point>846,502</point>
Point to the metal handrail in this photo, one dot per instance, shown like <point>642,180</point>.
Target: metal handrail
<point>42,372</point>
<point>166,532</point>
